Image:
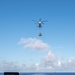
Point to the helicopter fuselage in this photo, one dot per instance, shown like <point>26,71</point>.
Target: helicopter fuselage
<point>39,24</point>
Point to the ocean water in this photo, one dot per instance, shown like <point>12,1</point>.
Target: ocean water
<point>43,73</point>
<point>47,73</point>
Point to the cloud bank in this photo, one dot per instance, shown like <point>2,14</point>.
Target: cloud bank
<point>33,43</point>
<point>49,63</point>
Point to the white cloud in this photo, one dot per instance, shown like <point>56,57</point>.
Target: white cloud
<point>50,57</point>
<point>35,67</point>
<point>33,43</point>
<point>49,63</point>
<point>11,66</point>
<point>54,65</point>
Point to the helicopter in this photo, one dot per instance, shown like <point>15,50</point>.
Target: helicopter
<point>40,22</point>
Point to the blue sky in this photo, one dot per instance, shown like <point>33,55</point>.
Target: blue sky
<point>16,23</point>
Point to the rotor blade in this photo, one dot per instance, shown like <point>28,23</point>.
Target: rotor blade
<point>40,19</point>
<point>35,23</point>
<point>42,23</point>
<point>34,20</point>
<point>45,21</point>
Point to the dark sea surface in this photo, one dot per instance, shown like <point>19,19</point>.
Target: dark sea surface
<point>44,73</point>
<point>47,73</point>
